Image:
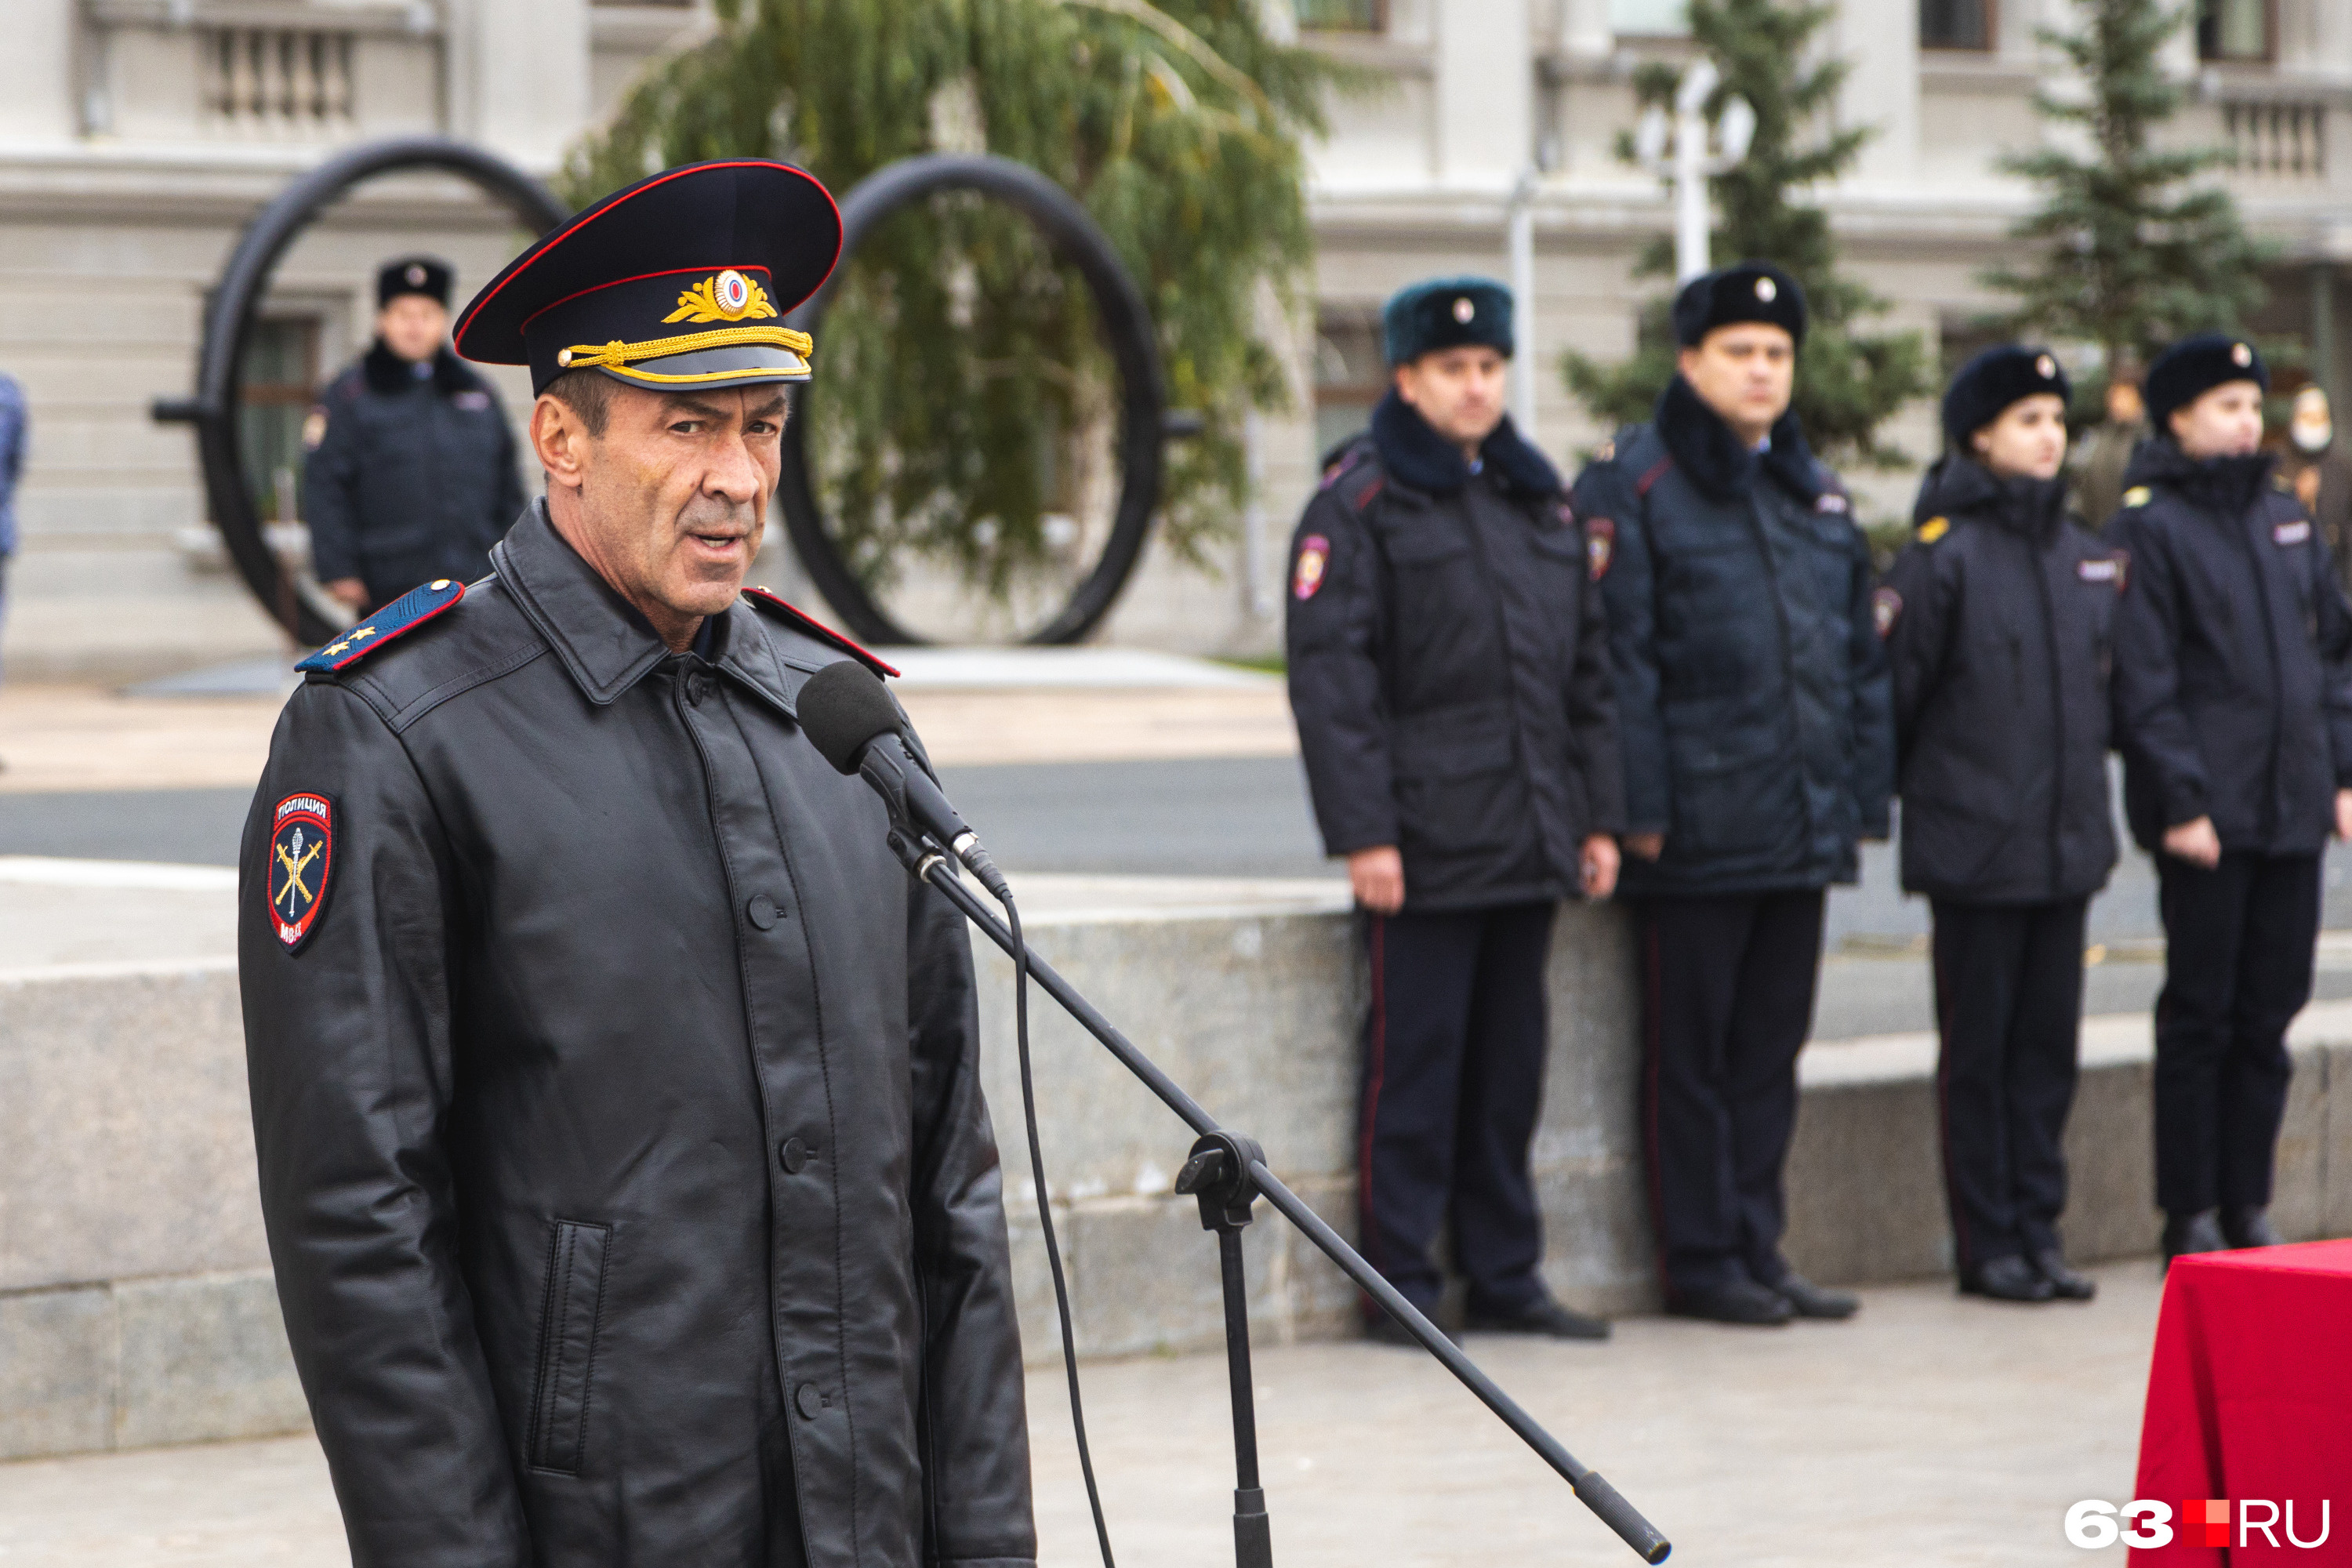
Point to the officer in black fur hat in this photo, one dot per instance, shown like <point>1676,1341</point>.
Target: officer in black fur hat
<point>411,473</point>
<point>2234,712</point>
<point>1997,618</point>
<point>1449,671</point>
<point>1752,704</point>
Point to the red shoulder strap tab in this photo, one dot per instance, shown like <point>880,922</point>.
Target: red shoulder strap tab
<point>801,621</point>
<point>402,615</point>
<point>1657,471</point>
<point>1363,498</point>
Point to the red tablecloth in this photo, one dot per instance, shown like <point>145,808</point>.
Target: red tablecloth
<point>2250,1396</point>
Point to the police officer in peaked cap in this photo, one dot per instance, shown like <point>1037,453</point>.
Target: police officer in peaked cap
<point>1999,618</point>
<point>616,1090</point>
<point>1449,672</point>
<point>1753,711</point>
<point>2234,712</point>
<point>410,472</point>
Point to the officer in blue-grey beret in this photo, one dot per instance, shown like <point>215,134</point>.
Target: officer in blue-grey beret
<point>1753,706</point>
<point>1449,672</point>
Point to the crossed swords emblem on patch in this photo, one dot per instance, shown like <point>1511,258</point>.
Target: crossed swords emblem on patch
<point>295,859</point>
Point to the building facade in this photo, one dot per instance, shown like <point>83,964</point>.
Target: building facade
<point>137,136</point>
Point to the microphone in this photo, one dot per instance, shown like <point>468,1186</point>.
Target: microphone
<point>851,719</point>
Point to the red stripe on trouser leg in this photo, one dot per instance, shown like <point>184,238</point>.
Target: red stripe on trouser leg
<point>1654,1041</point>
<point>1374,1070</point>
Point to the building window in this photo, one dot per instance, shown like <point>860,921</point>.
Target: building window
<point>1350,377</point>
<point>1343,15</point>
<point>2234,29</point>
<point>1654,18</point>
<point>281,372</point>
<point>1956,24</point>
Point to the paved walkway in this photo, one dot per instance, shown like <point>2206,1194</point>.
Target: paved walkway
<point>1930,1431</point>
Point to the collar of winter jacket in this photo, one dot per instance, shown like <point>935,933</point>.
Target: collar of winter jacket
<point>600,636</point>
<point>1957,485</point>
<point>1706,449</point>
<point>1416,454</point>
<point>2229,485</point>
<point>388,374</point>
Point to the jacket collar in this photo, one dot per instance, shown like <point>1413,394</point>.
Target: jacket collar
<point>1705,448</point>
<point>1960,484</point>
<point>1418,456</point>
<point>599,637</point>
<point>2230,484</point>
<point>388,374</point>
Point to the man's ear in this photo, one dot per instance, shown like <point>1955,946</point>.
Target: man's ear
<point>559,440</point>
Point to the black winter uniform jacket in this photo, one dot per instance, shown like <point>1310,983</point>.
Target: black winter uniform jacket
<point>1999,617</point>
<point>623,1154</point>
<point>2233,650</point>
<point>409,476</point>
<point>1449,667</point>
<point>1752,700</point>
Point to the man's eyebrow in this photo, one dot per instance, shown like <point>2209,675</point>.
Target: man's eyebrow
<point>678,403</point>
<point>775,404</point>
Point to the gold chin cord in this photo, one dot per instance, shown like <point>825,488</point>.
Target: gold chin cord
<point>616,355</point>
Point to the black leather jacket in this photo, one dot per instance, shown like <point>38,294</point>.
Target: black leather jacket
<point>623,1153</point>
<point>1998,618</point>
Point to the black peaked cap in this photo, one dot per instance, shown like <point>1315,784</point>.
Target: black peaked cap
<point>2195,366</point>
<point>1743,291</point>
<point>680,280</point>
<point>1991,382</point>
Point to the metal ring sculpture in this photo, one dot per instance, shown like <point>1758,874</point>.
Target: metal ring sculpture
<point>218,405</point>
<point>1134,349</point>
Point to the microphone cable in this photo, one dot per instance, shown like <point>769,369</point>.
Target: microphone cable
<point>1046,1214</point>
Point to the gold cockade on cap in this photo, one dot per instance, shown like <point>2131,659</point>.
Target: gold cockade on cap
<point>728,296</point>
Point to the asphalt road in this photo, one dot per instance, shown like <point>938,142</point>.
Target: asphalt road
<point>1215,816</point>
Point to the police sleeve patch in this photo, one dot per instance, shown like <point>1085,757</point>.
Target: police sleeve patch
<point>1886,608</point>
<point>1306,577</point>
<point>1599,546</point>
<point>301,861</point>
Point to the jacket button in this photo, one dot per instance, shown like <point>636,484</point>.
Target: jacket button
<point>809,1401</point>
<point>698,687</point>
<point>764,911</point>
<point>795,1154</point>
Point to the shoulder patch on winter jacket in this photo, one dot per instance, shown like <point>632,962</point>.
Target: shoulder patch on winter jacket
<point>1934,529</point>
<point>1599,546</point>
<point>399,617</point>
<point>2139,495</point>
<point>800,621</point>
<point>1306,576</point>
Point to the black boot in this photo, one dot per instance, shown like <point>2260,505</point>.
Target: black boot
<point>1541,1316</point>
<point>2189,1233</point>
<point>2066,1283</point>
<point>2248,1228</point>
<point>1741,1301</point>
<point>2007,1279</point>
<point>1808,1299</point>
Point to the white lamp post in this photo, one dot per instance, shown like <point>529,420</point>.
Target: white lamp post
<point>1690,163</point>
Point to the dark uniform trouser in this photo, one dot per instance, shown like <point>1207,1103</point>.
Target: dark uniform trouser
<point>1727,998</point>
<point>2009,1008</point>
<point>2237,968</point>
<point>1454,1060</point>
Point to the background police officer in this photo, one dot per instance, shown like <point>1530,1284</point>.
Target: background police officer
<point>1997,618</point>
<point>2234,648</point>
<point>1449,671</point>
<point>1752,708</point>
<point>411,474</point>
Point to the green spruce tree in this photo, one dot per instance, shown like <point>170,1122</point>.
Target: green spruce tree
<point>1848,381</point>
<point>962,402</point>
<point>2130,251</point>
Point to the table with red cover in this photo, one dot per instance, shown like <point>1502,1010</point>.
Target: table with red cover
<point>2250,1396</point>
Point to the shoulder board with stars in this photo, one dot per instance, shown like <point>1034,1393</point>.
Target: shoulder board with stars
<point>402,615</point>
<point>800,621</point>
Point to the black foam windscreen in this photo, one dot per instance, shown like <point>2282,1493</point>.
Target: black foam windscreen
<point>843,707</point>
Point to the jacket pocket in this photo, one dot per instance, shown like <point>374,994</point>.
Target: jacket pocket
<point>567,1346</point>
<point>1456,786</point>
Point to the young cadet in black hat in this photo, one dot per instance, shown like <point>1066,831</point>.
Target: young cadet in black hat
<point>2233,651</point>
<point>616,1092</point>
<point>1998,620</point>
<point>411,471</point>
<point>1449,671</point>
<point>1753,711</point>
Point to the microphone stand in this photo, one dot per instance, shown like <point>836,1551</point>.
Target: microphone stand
<point>1227,1173</point>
